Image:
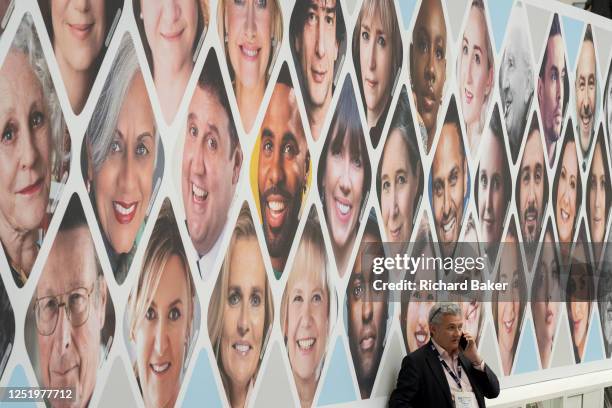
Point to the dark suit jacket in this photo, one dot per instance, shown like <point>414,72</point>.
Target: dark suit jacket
<point>422,382</point>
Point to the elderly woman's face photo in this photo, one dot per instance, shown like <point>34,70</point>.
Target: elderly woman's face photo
<point>243,314</point>
<point>508,305</point>
<point>428,62</point>
<point>25,146</point>
<point>343,186</point>
<point>78,32</point>
<point>492,183</point>
<point>597,196</point>
<point>162,336</point>
<point>170,27</point>
<point>567,193</point>
<point>248,24</point>
<point>123,184</point>
<point>545,299</point>
<point>307,323</point>
<point>475,69</point>
<point>398,188</point>
<point>375,57</point>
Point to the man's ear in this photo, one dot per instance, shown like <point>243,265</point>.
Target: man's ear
<point>237,164</point>
<point>297,44</point>
<point>102,292</point>
<point>336,49</point>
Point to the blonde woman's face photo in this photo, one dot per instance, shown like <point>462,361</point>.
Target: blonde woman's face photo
<point>170,27</point>
<point>567,193</point>
<point>124,182</point>
<point>307,324</point>
<point>162,336</point>
<point>375,54</point>
<point>243,314</point>
<point>248,26</point>
<point>25,146</point>
<point>78,32</point>
<point>475,70</point>
<point>597,183</point>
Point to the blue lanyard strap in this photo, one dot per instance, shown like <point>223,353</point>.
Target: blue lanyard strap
<point>456,377</point>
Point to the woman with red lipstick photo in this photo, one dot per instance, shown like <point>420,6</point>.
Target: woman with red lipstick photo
<point>120,156</point>
<point>251,31</point>
<point>306,311</point>
<point>475,69</point>
<point>580,294</point>
<point>400,175</point>
<point>171,32</point>
<point>377,51</point>
<point>241,312</point>
<point>78,32</point>
<point>344,176</point>
<point>567,192</point>
<point>161,312</point>
<point>31,150</point>
<point>509,304</point>
<point>546,297</point>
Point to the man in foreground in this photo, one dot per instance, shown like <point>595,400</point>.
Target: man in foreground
<point>441,373</point>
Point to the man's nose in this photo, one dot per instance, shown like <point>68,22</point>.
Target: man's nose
<point>277,172</point>
<point>64,330</point>
<point>320,46</point>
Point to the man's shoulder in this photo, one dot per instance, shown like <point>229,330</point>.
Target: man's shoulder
<point>418,355</point>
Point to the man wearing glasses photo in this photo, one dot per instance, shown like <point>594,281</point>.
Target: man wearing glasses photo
<point>69,309</point>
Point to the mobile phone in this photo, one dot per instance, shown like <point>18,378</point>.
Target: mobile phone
<point>463,342</point>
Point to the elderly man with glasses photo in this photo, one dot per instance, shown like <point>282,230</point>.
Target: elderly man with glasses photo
<point>447,371</point>
<point>69,309</point>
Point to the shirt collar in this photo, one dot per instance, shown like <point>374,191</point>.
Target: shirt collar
<point>443,353</point>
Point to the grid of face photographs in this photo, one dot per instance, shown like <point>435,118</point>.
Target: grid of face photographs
<point>329,129</point>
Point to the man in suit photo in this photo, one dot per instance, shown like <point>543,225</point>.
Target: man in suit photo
<point>448,371</point>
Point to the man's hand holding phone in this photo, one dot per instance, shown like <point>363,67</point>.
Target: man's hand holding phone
<point>467,344</point>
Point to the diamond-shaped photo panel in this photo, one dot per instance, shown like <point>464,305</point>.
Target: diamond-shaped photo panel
<point>475,73</point>
<point>122,159</point>
<point>241,312</point>
<point>317,37</point>
<point>163,314</point>
<point>532,187</point>
<point>7,327</point>
<point>251,42</point>
<point>34,150</point>
<point>587,88</point>
<point>308,310</point>
<point>553,88</point>
<point>428,59</point>
<point>399,182</point>
<point>416,304</point>
<point>210,164</point>
<point>449,181</point>
<point>344,176</point>
<point>80,37</point>
<point>580,293</point>
<point>598,194</point>
<point>508,305</point>
<point>377,55</point>
<point>547,295</point>
<point>281,170</point>
<point>567,191</point>
<point>172,36</point>
<point>367,310</point>
<point>493,185</point>
<point>70,322</point>
<point>516,79</point>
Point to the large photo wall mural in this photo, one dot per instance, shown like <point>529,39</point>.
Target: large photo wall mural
<point>191,193</point>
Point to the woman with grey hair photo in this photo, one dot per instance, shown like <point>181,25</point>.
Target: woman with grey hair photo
<point>121,148</point>
<point>31,150</point>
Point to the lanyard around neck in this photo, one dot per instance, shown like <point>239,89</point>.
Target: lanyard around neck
<point>456,377</point>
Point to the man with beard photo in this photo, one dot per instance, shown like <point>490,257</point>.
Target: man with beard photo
<point>553,88</point>
<point>283,168</point>
<point>586,92</point>
<point>516,80</point>
<point>531,185</point>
